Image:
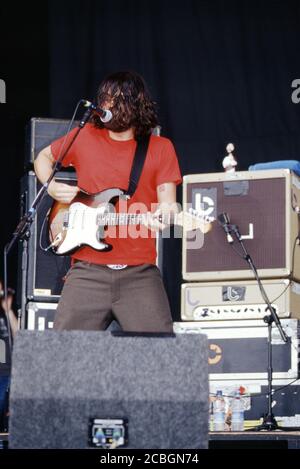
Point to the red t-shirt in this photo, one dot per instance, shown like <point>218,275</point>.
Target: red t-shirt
<point>102,163</point>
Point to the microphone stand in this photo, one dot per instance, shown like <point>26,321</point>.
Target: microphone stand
<point>22,231</point>
<point>269,422</point>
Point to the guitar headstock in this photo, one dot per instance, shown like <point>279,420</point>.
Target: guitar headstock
<point>193,220</point>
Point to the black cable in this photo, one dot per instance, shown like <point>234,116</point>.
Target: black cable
<point>45,249</point>
<point>292,271</point>
<point>237,251</point>
<point>293,264</point>
<point>286,385</point>
<point>260,282</point>
<point>5,288</point>
<point>282,293</point>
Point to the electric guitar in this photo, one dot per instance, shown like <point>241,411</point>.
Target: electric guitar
<point>83,222</point>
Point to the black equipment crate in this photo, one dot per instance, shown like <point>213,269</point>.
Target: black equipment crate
<point>238,350</point>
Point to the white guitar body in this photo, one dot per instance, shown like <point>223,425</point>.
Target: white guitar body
<point>82,229</point>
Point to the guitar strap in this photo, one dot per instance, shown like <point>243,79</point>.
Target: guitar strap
<point>138,164</point>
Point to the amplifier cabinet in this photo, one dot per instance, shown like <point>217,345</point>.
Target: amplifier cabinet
<point>214,301</point>
<point>40,316</point>
<point>238,350</point>
<point>264,205</point>
<point>41,132</point>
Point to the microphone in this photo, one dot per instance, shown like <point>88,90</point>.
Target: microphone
<point>224,221</point>
<point>104,114</point>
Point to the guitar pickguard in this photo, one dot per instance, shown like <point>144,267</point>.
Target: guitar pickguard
<point>76,225</point>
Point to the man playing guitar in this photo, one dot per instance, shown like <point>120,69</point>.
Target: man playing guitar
<point>122,283</point>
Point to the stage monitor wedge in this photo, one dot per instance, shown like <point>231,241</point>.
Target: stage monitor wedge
<point>157,385</point>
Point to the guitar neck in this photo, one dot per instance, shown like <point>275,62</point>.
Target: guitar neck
<point>114,219</point>
<point>190,221</point>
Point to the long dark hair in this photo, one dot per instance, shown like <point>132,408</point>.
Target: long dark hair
<point>127,96</point>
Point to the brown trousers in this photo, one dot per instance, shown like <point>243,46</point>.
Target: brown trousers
<point>94,295</point>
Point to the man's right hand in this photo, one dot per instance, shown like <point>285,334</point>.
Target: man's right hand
<point>61,192</point>
<point>43,165</point>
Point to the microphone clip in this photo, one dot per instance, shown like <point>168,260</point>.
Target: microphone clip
<point>235,229</point>
<point>228,227</point>
<point>229,236</point>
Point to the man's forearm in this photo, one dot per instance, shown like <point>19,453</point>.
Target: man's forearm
<point>12,321</point>
<point>43,165</point>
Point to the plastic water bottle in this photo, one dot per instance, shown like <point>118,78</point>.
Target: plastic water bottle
<point>237,413</point>
<point>219,412</point>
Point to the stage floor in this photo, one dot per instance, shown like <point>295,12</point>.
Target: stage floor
<point>256,440</point>
<point>235,440</point>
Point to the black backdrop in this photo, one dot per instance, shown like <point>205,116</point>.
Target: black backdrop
<point>220,71</point>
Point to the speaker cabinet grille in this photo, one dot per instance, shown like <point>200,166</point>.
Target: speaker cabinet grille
<point>263,206</point>
<point>41,132</point>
